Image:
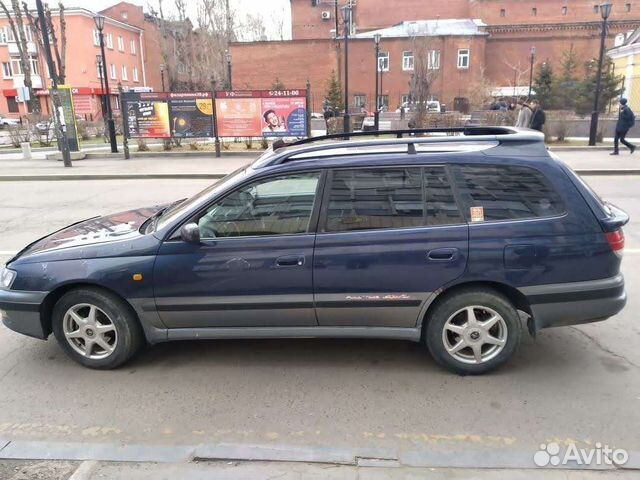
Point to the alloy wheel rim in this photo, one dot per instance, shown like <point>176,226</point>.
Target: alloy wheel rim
<point>475,334</point>
<point>90,331</point>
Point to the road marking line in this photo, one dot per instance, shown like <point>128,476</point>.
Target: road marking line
<point>85,470</point>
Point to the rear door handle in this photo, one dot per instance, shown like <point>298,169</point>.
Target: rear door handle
<point>442,254</point>
<point>290,261</point>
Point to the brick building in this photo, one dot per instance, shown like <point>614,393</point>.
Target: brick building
<point>474,41</point>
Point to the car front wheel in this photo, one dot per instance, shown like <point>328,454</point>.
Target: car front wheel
<point>473,332</point>
<point>95,328</point>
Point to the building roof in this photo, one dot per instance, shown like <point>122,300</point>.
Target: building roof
<point>429,28</point>
<point>630,46</point>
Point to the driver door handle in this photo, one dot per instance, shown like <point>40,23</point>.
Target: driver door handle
<point>290,261</point>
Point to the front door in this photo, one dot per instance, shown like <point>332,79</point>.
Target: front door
<point>253,267</point>
<point>388,238</point>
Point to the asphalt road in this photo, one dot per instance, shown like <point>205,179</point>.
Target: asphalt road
<point>577,383</point>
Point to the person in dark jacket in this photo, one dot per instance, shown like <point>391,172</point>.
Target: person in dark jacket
<point>538,118</point>
<point>626,120</point>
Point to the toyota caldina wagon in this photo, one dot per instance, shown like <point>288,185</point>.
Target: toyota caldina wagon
<point>457,239</point>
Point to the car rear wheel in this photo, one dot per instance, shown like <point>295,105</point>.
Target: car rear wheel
<point>473,332</point>
<point>95,328</point>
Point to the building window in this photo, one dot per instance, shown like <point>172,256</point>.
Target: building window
<point>35,66</point>
<point>109,41</point>
<point>16,67</point>
<point>534,11</point>
<point>113,72</point>
<point>125,15</point>
<point>12,105</point>
<point>383,62</point>
<point>433,60</point>
<point>96,38</point>
<point>3,35</point>
<point>135,74</point>
<point>463,58</point>
<point>503,12</point>
<point>125,75</point>
<point>596,9</point>
<point>564,10</point>
<point>6,70</point>
<point>405,99</point>
<point>120,43</point>
<point>628,7</point>
<point>384,102</point>
<point>359,101</point>
<point>99,69</point>
<point>407,60</point>
<point>132,45</point>
<point>619,40</point>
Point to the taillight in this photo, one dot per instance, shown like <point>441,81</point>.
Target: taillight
<point>616,241</point>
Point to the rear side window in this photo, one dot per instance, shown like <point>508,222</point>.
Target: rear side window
<point>365,199</point>
<point>505,193</point>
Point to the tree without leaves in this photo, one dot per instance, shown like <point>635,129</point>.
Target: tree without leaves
<point>424,74</point>
<point>16,23</point>
<point>59,43</point>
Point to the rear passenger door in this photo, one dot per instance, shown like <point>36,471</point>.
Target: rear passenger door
<point>388,237</point>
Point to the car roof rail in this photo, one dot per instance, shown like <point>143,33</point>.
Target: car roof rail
<point>413,141</point>
<point>413,132</point>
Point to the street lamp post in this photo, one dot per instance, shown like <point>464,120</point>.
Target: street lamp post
<point>376,115</point>
<point>99,19</point>
<point>227,57</point>
<point>99,65</point>
<point>605,11</point>
<point>346,17</point>
<point>533,57</point>
<point>162,67</point>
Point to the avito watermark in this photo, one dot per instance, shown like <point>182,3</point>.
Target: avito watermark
<point>551,454</point>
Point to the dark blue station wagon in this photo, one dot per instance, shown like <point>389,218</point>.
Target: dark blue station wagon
<point>451,239</point>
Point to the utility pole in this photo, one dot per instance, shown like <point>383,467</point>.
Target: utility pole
<point>533,57</point>
<point>57,106</point>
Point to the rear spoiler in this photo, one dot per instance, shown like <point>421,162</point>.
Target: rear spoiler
<point>618,218</point>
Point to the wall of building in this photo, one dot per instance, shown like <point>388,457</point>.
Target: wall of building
<point>257,65</point>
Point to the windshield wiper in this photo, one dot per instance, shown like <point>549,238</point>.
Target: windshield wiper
<point>150,223</point>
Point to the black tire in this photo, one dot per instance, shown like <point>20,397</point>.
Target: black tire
<point>127,328</point>
<point>460,300</point>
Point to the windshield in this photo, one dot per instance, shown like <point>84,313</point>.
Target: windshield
<point>198,199</point>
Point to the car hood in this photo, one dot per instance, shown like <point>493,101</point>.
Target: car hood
<point>94,231</point>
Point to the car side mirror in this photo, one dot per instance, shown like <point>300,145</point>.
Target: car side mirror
<point>190,233</point>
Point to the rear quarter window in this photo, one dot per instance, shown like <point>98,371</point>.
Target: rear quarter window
<point>497,192</point>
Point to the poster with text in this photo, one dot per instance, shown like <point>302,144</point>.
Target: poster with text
<point>191,114</point>
<point>147,115</point>
<point>284,117</point>
<point>238,117</point>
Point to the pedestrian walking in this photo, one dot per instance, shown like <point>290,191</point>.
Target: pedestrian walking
<point>524,114</point>
<point>538,118</point>
<point>626,120</point>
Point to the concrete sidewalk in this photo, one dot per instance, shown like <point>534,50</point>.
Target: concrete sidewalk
<point>584,161</point>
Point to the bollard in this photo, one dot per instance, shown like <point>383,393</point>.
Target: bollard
<point>26,150</point>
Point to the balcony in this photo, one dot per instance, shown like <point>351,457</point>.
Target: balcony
<point>13,48</point>
<point>18,81</point>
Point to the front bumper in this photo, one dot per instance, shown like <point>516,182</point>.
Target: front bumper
<point>20,311</point>
<point>575,303</point>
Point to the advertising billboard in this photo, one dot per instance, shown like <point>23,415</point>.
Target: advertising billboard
<point>261,113</point>
<point>251,113</point>
<point>147,115</point>
<point>191,114</point>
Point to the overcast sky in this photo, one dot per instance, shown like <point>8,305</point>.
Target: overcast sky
<point>266,8</point>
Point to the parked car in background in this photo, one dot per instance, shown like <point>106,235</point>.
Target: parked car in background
<point>7,121</point>
<point>448,241</point>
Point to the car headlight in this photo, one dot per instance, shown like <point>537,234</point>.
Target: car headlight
<point>6,278</point>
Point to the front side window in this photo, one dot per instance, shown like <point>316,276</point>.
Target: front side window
<point>367,199</point>
<point>463,58</point>
<point>276,206</point>
<point>490,193</point>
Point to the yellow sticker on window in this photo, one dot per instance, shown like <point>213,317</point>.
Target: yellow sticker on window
<point>477,214</point>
